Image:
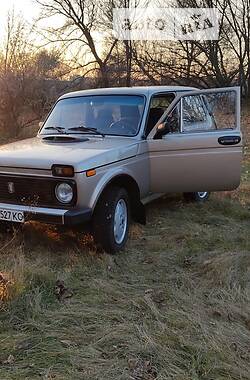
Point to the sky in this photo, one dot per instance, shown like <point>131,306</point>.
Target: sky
<point>30,11</point>
<point>28,8</point>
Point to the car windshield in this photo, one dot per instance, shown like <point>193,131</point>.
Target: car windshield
<point>100,114</point>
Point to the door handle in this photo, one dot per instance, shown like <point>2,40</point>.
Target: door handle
<point>229,140</point>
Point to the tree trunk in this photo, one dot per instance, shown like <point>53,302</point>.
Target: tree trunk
<point>128,49</point>
<point>104,80</point>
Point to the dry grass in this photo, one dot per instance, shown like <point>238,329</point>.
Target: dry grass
<point>174,305</point>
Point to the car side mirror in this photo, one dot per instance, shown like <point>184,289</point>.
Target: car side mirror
<point>162,129</point>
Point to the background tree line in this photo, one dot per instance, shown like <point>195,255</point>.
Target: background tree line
<point>82,53</point>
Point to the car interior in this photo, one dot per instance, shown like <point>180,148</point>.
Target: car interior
<point>158,105</point>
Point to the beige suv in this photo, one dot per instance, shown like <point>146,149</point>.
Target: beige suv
<point>102,154</point>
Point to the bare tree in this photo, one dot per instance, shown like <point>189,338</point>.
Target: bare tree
<point>82,19</point>
<point>221,62</point>
<point>28,77</point>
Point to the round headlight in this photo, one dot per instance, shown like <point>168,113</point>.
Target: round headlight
<point>64,192</point>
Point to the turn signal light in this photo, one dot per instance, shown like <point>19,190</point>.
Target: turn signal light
<point>90,173</point>
<point>62,170</point>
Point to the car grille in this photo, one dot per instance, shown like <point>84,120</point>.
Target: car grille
<point>30,191</point>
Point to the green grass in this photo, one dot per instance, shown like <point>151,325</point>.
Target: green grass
<point>174,305</point>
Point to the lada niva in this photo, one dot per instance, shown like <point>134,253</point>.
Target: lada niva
<point>102,154</point>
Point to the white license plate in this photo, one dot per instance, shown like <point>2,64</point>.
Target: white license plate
<point>12,216</point>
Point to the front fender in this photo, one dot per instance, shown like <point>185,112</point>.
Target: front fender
<point>105,180</point>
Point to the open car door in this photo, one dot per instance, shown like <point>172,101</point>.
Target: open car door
<point>197,143</point>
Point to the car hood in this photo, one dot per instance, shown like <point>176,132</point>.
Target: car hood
<point>89,153</point>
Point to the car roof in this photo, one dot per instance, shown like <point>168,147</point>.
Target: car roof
<point>139,90</point>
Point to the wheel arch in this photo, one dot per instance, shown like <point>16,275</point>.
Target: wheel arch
<point>127,182</point>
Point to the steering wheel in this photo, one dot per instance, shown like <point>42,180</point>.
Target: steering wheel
<point>125,123</point>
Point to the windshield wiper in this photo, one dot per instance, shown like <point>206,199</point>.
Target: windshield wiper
<point>81,128</point>
<point>58,129</point>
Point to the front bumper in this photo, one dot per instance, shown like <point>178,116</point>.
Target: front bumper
<point>51,215</point>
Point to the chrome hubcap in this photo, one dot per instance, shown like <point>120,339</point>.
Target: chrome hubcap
<point>202,194</point>
<point>120,221</point>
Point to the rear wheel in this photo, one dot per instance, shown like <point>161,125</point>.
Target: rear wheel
<point>199,196</point>
<point>111,219</point>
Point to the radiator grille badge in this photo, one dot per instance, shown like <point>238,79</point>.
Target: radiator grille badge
<point>11,187</point>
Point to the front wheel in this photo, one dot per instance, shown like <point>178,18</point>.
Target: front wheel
<point>199,196</point>
<point>111,219</point>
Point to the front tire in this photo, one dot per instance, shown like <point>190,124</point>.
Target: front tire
<point>199,196</point>
<point>111,219</point>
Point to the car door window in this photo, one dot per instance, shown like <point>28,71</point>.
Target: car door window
<point>200,111</point>
<point>195,115</point>
<point>209,112</point>
<point>222,106</point>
